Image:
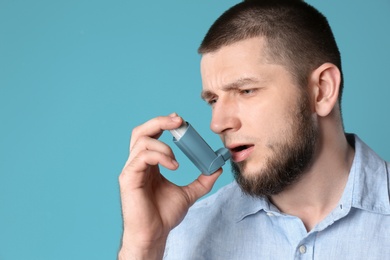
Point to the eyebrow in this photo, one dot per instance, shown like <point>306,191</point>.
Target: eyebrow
<point>231,86</point>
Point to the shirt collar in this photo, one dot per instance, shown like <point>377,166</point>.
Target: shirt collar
<point>370,180</point>
<point>367,186</point>
<point>247,205</point>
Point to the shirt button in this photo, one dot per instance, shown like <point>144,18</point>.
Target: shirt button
<point>270,214</point>
<point>302,249</point>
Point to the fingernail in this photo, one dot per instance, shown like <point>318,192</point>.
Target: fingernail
<point>175,163</point>
<point>176,119</point>
<point>173,114</point>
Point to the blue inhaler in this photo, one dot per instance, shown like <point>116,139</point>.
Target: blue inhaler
<point>198,151</point>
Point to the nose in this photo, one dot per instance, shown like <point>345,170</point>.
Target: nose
<point>224,117</point>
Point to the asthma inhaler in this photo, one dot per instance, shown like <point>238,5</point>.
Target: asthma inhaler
<point>198,151</point>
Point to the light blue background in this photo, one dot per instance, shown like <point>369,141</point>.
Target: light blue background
<point>77,76</point>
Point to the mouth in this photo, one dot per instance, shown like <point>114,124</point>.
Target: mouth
<point>241,152</point>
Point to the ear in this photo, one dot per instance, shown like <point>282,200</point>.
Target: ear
<point>325,84</point>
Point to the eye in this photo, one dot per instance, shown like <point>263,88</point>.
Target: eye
<point>212,101</point>
<point>247,91</point>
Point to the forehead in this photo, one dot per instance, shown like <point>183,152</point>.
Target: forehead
<point>244,51</point>
<point>238,60</point>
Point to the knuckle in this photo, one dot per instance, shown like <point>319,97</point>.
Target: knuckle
<point>135,132</point>
<point>160,118</point>
<point>122,178</point>
<point>129,169</point>
<point>139,142</point>
<point>145,156</point>
<point>142,140</point>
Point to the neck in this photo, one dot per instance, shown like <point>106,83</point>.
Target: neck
<point>319,190</point>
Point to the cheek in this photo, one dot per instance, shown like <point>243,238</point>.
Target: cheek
<point>267,117</point>
<point>274,121</point>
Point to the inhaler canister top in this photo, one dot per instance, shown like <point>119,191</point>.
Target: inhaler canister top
<point>180,131</point>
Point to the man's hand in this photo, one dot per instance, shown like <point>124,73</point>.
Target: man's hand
<point>151,205</point>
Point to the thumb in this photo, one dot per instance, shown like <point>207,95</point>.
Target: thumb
<point>201,186</point>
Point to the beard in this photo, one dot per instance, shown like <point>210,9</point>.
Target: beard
<point>289,159</point>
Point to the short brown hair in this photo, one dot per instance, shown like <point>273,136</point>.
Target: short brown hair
<point>296,34</point>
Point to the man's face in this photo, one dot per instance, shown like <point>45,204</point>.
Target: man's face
<point>261,116</point>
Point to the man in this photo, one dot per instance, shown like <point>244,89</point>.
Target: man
<point>271,71</point>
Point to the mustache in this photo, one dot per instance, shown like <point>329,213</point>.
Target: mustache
<point>234,139</point>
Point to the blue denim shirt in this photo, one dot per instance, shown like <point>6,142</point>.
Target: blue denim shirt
<point>230,225</point>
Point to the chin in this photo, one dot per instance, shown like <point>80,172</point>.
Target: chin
<point>251,167</point>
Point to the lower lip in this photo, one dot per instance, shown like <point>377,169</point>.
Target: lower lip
<point>242,155</point>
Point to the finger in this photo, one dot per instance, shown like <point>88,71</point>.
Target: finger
<point>147,143</point>
<point>135,172</point>
<point>201,186</point>
<point>155,127</point>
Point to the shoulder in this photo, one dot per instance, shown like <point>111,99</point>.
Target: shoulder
<point>370,177</point>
